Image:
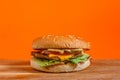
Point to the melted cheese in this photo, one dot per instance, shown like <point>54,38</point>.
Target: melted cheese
<point>62,57</point>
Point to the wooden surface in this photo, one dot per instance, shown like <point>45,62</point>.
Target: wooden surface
<point>99,70</point>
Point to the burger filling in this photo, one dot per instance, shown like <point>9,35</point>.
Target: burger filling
<point>48,57</point>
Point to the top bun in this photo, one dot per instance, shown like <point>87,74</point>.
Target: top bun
<point>52,41</point>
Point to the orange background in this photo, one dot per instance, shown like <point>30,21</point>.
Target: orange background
<point>97,21</point>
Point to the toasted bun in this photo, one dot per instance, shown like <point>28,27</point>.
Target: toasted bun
<point>62,67</point>
<point>52,41</point>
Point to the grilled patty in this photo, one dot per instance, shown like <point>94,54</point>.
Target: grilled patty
<point>45,54</point>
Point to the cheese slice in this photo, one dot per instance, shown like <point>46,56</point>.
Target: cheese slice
<point>62,57</point>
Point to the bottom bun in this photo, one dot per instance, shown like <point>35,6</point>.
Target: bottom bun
<point>69,67</point>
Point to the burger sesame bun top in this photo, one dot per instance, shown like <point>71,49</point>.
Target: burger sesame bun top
<point>52,41</point>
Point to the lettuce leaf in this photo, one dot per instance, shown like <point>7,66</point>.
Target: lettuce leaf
<point>46,62</point>
<point>78,59</point>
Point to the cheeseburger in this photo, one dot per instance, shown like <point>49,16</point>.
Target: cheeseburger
<point>60,54</point>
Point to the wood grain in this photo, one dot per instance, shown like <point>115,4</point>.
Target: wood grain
<point>99,70</point>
